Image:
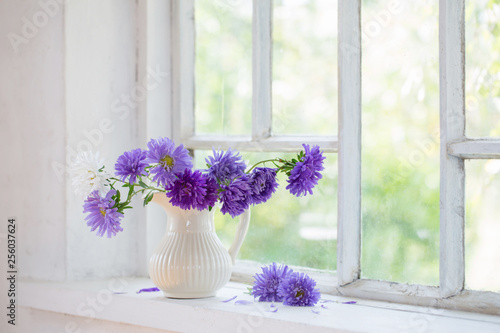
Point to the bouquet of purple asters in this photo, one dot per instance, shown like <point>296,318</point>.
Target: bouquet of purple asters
<point>165,167</point>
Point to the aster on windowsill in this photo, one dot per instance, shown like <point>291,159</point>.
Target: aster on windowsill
<point>266,284</point>
<point>299,290</point>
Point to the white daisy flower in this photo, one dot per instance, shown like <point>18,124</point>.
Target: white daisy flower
<point>85,174</point>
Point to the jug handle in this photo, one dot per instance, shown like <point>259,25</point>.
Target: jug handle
<point>241,232</point>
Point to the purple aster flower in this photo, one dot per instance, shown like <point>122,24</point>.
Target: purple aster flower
<point>192,189</point>
<point>224,167</point>
<point>305,174</point>
<point>102,215</point>
<point>298,290</point>
<point>263,184</point>
<point>170,159</point>
<point>131,164</point>
<point>266,283</point>
<point>236,197</point>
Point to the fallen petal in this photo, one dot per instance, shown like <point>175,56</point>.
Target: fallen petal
<point>120,292</point>
<point>147,290</point>
<point>316,312</point>
<point>242,302</point>
<point>275,309</point>
<point>350,302</point>
<point>326,301</point>
<point>324,306</point>
<point>229,299</point>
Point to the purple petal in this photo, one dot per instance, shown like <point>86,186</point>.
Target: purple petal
<point>326,301</point>
<point>324,306</point>
<point>120,292</point>
<point>242,302</point>
<point>147,290</point>
<point>272,309</point>
<point>316,312</point>
<point>229,299</point>
<point>350,302</point>
<point>272,305</point>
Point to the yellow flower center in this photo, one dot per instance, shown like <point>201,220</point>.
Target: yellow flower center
<point>93,176</point>
<point>103,212</point>
<point>167,161</point>
<point>300,293</point>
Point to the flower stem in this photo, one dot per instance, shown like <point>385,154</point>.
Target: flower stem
<point>274,160</point>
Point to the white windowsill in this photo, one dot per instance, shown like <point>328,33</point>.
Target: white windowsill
<point>152,310</point>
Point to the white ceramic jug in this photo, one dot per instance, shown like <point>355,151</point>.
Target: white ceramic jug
<point>190,261</point>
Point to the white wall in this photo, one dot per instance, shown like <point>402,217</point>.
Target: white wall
<point>72,76</point>
<point>101,113</point>
<point>32,136</point>
<point>77,75</point>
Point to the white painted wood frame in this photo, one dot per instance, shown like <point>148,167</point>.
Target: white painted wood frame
<point>455,147</point>
<point>349,160</point>
<point>452,120</point>
<point>261,69</point>
<point>475,148</point>
<point>183,88</point>
<point>183,68</point>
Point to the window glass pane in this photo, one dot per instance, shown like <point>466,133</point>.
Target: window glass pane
<point>286,229</point>
<point>482,228</point>
<point>223,74</point>
<point>304,89</point>
<point>482,26</point>
<point>400,155</point>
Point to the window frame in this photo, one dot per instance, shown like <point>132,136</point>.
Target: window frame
<point>455,147</point>
<point>183,58</point>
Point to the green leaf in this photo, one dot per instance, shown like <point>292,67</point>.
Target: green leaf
<point>143,184</point>
<point>148,198</point>
<point>130,192</point>
<point>117,197</point>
